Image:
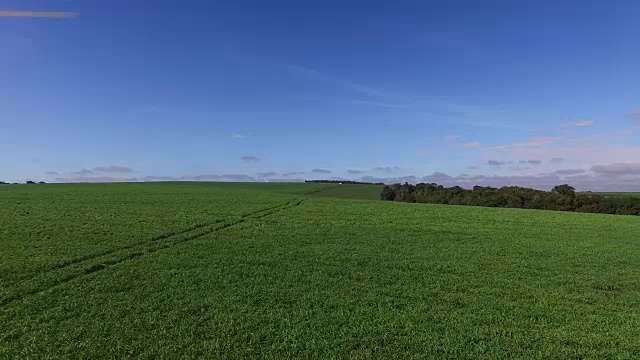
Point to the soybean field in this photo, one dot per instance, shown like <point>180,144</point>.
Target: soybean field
<point>266,270</point>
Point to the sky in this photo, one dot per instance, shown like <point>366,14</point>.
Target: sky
<point>534,93</point>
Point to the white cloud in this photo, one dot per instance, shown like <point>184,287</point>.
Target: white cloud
<point>474,144</point>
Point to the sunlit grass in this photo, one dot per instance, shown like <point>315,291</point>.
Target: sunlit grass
<point>309,277</point>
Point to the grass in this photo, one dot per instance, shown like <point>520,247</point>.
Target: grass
<point>308,276</point>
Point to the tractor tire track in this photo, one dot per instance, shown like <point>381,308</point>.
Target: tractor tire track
<point>320,190</point>
<point>82,267</point>
<point>164,236</point>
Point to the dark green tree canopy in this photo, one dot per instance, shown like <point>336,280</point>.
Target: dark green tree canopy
<point>561,197</point>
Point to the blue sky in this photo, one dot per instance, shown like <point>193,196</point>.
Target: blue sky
<point>495,92</point>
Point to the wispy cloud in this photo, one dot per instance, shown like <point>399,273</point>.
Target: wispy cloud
<point>321,76</point>
<point>355,171</point>
<point>469,115</point>
<point>495,163</point>
<point>579,178</point>
<point>317,75</point>
<point>52,173</point>
<point>570,171</point>
<point>238,177</point>
<point>38,14</point>
<point>158,178</point>
<point>451,138</point>
<point>617,169</point>
<point>201,177</point>
<point>386,168</point>
<point>556,160</point>
<point>267,174</point>
<point>474,144</point>
<point>577,123</point>
<point>284,180</point>
<point>375,103</point>
<point>237,136</point>
<point>83,172</point>
<point>321,171</point>
<point>635,114</point>
<point>84,179</point>
<point>389,180</point>
<point>113,168</point>
<point>249,158</point>
<point>537,141</point>
<point>152,178</point>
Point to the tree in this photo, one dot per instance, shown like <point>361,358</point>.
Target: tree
<point>560,198</point>
<point>564,190</point>
<point>387,193</point>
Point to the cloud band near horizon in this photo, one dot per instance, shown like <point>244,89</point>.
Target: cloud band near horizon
<point>38,14</point>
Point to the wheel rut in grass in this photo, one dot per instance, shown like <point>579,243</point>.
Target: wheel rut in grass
<point>83,266</point>
<point>320,190</point>
<point>165,236</point>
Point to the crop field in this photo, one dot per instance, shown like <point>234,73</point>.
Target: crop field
<point>351,191</point>
<point>637,194</point>
<point>217,270</point>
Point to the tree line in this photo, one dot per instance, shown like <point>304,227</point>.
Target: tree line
<point>561,198</point>
<point>28,182</point>
<point>341,182</point>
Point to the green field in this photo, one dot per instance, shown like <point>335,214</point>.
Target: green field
<point>171,270</point>
<point>351,191</point>
<point>619,194</point>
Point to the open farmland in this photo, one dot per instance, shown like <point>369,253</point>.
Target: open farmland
<point>288,270</point>
<point>615,194</point>
<point>351,191</point>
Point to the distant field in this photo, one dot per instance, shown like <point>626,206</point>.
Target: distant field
<point>351,191</point>
<point>619,193</point>
<point>287,270</point>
